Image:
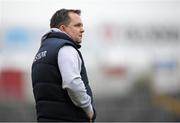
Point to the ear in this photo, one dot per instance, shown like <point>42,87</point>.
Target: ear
<point>62,28</point>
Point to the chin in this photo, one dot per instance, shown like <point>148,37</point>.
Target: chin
<point>79,42</point>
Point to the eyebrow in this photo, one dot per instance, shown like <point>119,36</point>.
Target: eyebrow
<point>78,24</point>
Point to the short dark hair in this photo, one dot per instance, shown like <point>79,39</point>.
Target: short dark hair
<point>61,17</point>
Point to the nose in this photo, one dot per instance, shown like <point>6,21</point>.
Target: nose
<point>82,29</point>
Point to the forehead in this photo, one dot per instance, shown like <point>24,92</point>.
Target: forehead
<point>74,17</point>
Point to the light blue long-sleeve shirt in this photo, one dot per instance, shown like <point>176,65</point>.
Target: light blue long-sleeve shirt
<point>69,63</point>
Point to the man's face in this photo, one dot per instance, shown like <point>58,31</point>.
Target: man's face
<point>75,28</point>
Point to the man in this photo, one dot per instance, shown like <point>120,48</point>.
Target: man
<point>60,83</point>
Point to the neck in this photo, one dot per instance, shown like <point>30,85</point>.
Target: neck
<point>56,33</point>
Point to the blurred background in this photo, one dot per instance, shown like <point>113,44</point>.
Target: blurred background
<point>131,49</point>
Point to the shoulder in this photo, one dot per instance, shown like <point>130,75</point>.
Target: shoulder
<point>68,51</point>
<point>67,48</point>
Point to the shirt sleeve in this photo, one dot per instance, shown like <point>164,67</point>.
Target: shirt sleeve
<point>69,63</point>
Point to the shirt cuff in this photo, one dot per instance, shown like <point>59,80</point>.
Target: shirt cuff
<point>88,109</point>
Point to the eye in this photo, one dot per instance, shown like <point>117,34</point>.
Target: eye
<point>78,25</point>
